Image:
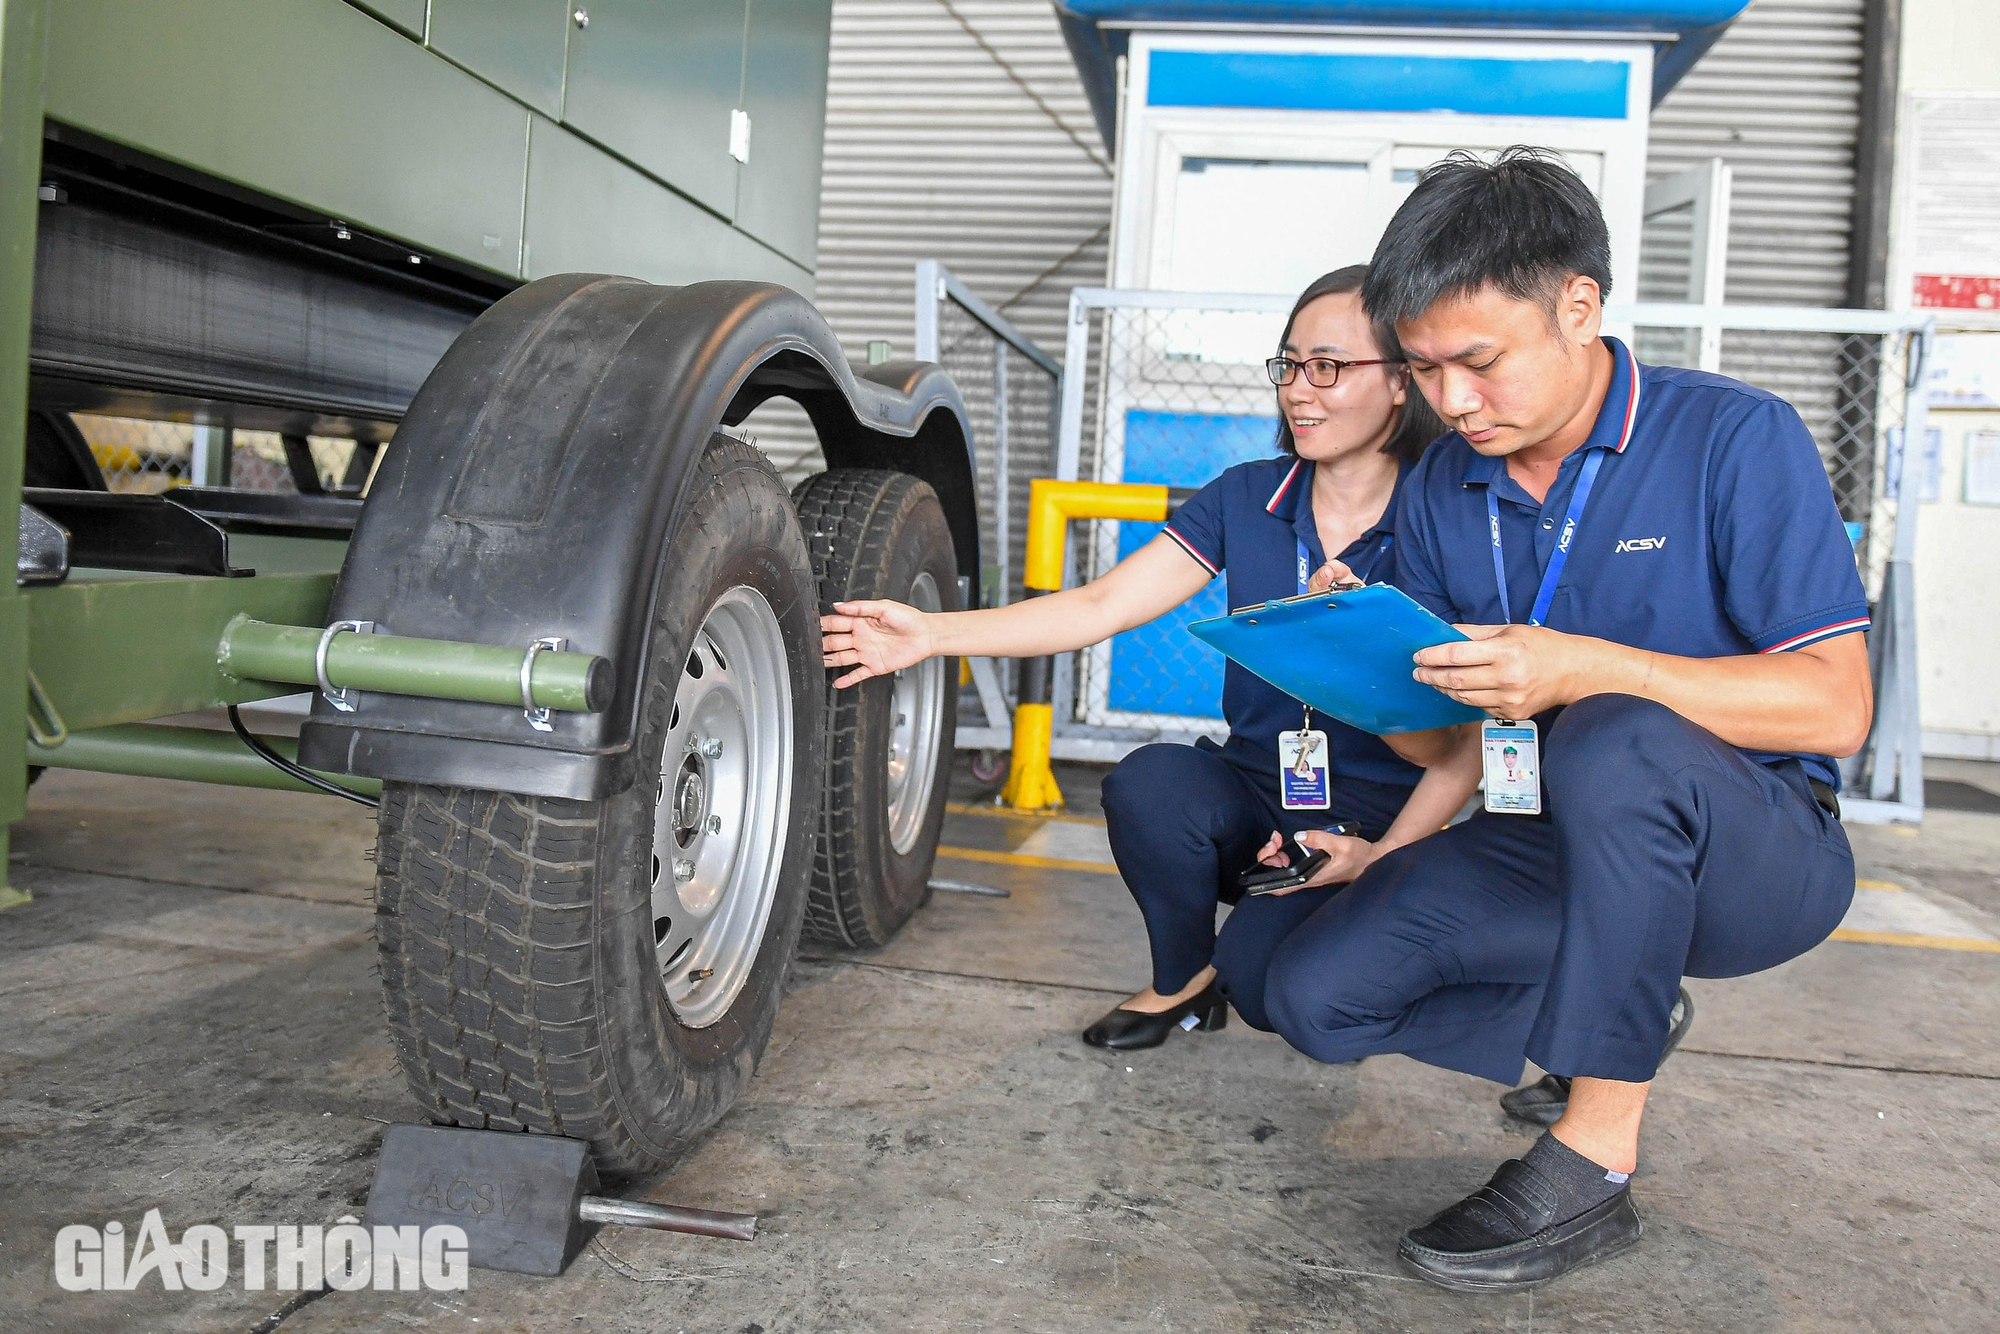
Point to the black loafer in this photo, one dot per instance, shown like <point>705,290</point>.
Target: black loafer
<point>1130,1030</point>
<point>1543,1102</point>
<point>1503,1237</point>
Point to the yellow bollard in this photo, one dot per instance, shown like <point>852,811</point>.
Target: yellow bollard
<point>1031,783</point>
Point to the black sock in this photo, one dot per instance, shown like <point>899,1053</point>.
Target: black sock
<point>1581,1185</point>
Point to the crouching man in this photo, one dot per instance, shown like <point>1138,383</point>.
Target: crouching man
<point>1651,570</point>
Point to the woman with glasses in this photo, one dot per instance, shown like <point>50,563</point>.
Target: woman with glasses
<point>1184,821</point>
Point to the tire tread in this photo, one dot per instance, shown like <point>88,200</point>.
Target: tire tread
<point>848,515</point>
<point>483,908</point>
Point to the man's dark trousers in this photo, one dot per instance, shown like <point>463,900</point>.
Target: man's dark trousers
<point>1663,852</point>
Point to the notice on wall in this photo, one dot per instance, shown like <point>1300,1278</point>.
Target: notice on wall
<point>1954,244</point>
<point>1964,371</point>
<point>1982,468</point>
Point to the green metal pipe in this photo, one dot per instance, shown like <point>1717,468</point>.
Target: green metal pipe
<point>255,650</point>
<point>147,750</point>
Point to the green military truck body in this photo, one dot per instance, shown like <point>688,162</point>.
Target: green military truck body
<point>505,137</point>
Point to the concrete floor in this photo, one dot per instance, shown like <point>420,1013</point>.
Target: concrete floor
<point>195,1027</point>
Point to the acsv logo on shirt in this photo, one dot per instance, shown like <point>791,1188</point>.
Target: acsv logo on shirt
<point>1642,544</point>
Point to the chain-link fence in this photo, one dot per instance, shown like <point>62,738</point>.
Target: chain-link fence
<point>1171,391</point>
<point>1857,380</point>
<point>1010,387</point>
<point>147,457</point>
<point>1853,387</point>
<point>1169,388</point>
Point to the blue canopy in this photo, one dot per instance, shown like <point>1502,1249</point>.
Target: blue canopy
<point>1689,27</point>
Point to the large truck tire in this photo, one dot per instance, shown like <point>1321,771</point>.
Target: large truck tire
<point>877,534</point>
<point>610,970</point>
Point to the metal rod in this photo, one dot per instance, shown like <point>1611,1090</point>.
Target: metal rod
<point>1003,491</point>
<point>1661,314</point>
<point>954,287</point>
<point>147,750</point>
<point>400,665</point>
<point>930,293</point>
<point>667,1218</point>
<point>971,887</point>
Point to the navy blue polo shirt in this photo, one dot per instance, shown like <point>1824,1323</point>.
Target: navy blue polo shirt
<point>1249,522</point>
<point>1711,531</point>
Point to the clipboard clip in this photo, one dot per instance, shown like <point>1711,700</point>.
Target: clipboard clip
<point>1349,586</point>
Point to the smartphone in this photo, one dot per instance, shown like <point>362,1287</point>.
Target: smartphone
<point>1302,864</point>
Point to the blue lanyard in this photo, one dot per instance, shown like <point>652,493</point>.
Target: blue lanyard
<point>1557,558</point>
<point>1306,565</point>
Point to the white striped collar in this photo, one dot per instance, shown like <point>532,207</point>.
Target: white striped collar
<point>1284,487</point>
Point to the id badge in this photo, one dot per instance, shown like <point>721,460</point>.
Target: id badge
<point>1302,780</point>
<point>1513,755</point>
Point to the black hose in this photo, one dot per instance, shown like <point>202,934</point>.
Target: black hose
<point>305,776</point>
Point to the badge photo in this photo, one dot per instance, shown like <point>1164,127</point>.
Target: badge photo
<point>1302,771</point>
<point>1513,759</point>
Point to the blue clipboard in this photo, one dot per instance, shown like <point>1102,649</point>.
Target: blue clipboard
<point>1345,653</point>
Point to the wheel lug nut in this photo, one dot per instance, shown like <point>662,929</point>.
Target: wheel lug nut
<point>714,824</point>
<point>683,869</point>
<point>711,748</point>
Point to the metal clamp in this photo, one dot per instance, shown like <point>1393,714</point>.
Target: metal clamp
<point>537,718</point>
<point>340,697</point>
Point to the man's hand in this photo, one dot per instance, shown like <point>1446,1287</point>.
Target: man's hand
<point>1511,671</point>
<point>874,638</point>
<point>1347,859</point>
<point>1330,575</point>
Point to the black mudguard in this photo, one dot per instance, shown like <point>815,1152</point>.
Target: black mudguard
<point>540,472</point>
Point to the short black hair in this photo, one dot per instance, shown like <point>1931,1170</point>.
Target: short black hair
<point>1418,425</point>
<point>1523,223</point>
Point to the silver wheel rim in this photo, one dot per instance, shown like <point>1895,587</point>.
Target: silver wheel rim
<point>721,807</point>
<point>916,715</point>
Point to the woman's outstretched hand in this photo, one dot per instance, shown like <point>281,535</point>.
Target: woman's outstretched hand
<point>1347,859</point>
<point>874,638</point>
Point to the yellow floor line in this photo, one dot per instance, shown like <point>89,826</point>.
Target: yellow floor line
<point>1021,859</point>
<point>1884,886</point>
<point>1852,937</point>
<point>1916,942</point>
<point>1007,813</point>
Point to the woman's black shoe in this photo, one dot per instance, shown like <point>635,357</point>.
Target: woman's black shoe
<point>1129,1030</point>
<point>1543,1102</point>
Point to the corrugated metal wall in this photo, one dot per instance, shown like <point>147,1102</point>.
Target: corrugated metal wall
<point>1779,99</point>
<point>955,130</point>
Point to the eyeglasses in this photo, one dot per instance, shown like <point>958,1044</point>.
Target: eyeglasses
<point>1321,372</point>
